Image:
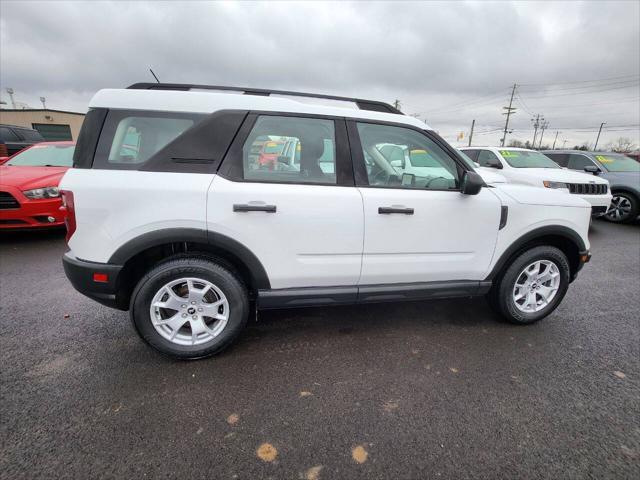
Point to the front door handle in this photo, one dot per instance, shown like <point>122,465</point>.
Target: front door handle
<point>401,210</point>
<point>249,207</point>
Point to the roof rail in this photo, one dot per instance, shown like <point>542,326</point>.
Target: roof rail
<point>372,105</point>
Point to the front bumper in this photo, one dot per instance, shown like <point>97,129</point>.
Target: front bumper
<point>28,213</point>
<point>82,275</point>
<point>584,257</point>
<point>599,203</point>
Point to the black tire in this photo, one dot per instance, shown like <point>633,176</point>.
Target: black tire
<point>200,267</point>
<point>631,215</point>
<point>500,296</point>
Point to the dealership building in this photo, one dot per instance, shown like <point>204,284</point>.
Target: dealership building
<point>53,125</point>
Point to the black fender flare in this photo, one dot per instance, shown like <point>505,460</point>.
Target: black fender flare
<point>177,235</point>
<point>541,232</point>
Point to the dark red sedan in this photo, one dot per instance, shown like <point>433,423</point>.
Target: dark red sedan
<point>29,195</point>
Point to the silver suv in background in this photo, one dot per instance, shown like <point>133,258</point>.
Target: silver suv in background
<point>622,172</point>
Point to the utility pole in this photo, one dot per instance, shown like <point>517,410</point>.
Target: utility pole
<point>543,127</point>
<point>396,104</point>
<point>554,141</point>
<point>10,92</point>
<point>536,124</point>
<point>564,142</point>
<point>473,123</point>
<point>595,147</point>
<point>509,110</point>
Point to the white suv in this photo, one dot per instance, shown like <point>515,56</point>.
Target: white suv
<point>530,167</point>
<point>177,213</point>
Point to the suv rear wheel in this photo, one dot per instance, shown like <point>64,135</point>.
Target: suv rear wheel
<point>532,286</point>
<point>189,307</point>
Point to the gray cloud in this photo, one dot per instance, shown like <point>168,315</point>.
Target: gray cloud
<point>443,60</point>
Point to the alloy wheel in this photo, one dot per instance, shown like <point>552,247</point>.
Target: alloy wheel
<point>536,286</point>
<point>189,311</point>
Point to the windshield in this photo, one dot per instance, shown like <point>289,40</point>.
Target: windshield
<point>44,156</point>
<point>527,159</point>
<point>616,162</point>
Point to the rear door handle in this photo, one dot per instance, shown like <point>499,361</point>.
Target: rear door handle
<point>248,207</point>
<point>401,210</point>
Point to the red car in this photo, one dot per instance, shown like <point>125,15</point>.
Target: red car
<point>29,196</point>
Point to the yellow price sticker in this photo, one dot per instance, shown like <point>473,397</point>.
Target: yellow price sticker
<point>509,153</point>
<point>603,159</point>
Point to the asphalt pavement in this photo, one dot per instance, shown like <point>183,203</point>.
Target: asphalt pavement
<point>417,390</point>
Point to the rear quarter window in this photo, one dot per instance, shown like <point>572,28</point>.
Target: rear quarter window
<point>130,138</point>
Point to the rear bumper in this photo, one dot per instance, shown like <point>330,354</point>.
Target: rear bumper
<point>81,275</point>
<point>30,213</point>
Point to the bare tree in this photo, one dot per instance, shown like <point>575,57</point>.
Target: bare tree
<point>622,145</point>
<point>515,143</point>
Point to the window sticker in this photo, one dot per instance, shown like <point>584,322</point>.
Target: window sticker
<point>509,153</point>
<point>604,159</point>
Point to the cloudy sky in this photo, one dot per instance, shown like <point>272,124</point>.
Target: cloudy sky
<point>575,63</point>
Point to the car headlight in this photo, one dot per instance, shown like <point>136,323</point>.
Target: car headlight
<point>550,184</point>
<point>44,192</point>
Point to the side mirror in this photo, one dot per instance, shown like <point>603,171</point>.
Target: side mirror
<point>494,164</point>
<point>592,169</point>
<point>472,183</point>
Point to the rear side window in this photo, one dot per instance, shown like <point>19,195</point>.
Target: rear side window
<point>561,159</point>
<point>472,154</point>
<point>290,150</point>
<point>31,135</point>
<point>7,135</point>
<point>130,138</point>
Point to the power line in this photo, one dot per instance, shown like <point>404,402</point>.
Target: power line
<point>582,93</point>
<point>579,81</point>
<point>584,87</point>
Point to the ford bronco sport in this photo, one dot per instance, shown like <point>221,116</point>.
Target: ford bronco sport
<point>172,216</point>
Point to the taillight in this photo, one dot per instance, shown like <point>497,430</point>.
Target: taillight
<point>3,150</point>
<point>69,210</point>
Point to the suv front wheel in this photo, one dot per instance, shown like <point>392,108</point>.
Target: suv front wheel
<point>532,286</point>
<point>189,307</point>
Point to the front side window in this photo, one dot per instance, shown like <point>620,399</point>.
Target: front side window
<point>398,157</point>
<point>616,162</point>
<point>578,162</point>
<point>44,156</point>
<point>487,158</point>
<point>290,150</point>
<point>527,159</point>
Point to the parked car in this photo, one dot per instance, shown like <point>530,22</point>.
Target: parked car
<point>13,139</point>
<point>490,177</point>
<point>622,172</point>
<point>530,167</point>
<point>189,238</point>
<point>29,195</point>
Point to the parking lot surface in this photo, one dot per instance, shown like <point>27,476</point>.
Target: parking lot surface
<point>436,389</point>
